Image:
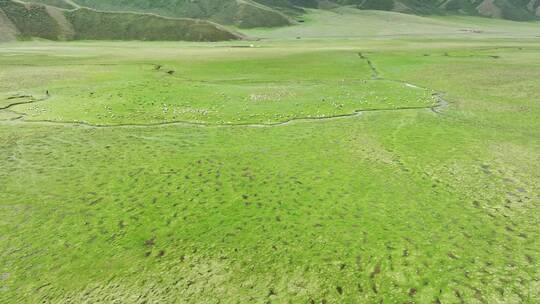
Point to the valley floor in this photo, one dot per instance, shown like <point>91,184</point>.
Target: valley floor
<point>321,170</point>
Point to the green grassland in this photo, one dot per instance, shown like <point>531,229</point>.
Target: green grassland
<point>260,89</point>
<point>163,172</point>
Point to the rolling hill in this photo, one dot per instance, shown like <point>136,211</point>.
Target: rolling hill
<point>503,9</point>
<point>202,20</point>
<point>240,13</point>
<point>20,20</point>
<point>257,13</point>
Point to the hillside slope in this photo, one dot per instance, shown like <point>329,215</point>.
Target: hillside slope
<point>199,20</point>
<point>241,13</point>
<point>503,9</point>
<point>337,24</point>
<point>96,25</point>
<point>265,13</point>
<point>8,31</point>
<point>25,21</point>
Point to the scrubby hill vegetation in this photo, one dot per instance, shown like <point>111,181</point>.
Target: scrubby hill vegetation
<point>257,13</point>
<point>25,21</point>
<point>242,13</point>
<point>504,9</point>
<point>96,25</point>
<point>8,31</point>
<point>31,20</point>
<point>57,3</point>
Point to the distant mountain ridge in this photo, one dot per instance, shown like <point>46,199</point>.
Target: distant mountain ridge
<point>503,9</point>
<point>20,20</point>
<point>240,13</point>
<point>202,20</point>
<point>264,13</point>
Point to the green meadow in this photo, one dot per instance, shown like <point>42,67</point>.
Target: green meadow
<point>353,167</point>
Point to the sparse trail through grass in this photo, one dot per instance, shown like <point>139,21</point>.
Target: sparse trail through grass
<point>374,71</point>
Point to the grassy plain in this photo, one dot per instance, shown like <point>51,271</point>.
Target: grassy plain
<point>104,198</point>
